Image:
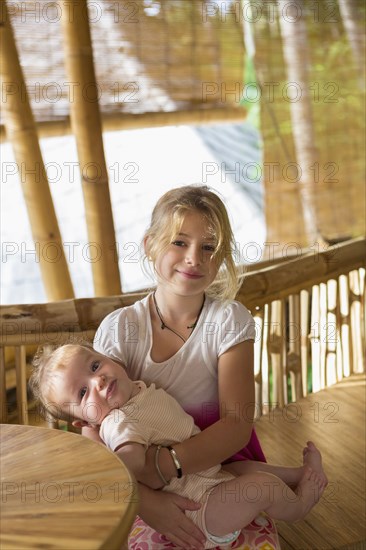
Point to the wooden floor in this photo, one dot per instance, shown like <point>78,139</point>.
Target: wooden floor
<point>335,420</point>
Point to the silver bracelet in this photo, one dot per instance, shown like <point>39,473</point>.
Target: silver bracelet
<point>176,461</point>
<point>157,466</point>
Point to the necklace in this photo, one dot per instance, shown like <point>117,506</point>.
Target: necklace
<point>164,325</point>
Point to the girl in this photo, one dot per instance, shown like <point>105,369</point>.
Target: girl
<point>190,338</point>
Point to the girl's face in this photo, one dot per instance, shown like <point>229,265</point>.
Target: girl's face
<point>187,264</point>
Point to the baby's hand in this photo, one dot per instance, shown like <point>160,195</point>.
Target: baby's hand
<point>92,433</point>
<point>149,476</point>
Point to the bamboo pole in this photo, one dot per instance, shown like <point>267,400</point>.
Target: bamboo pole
<point>266,396</point>
<point>86,125</point>
<point>3,398</point>
<point>356,322</point>
<point>332,375</point>
<point>323,309</point>
<point>284,358</point>
<point>294,355</point>
<point>362,273</point>
<point>277,353</point>
<point>22,133</point>
<point>315,339</point>
<point>339,347</point>
<point>21,384</point>
<point>304,329</point>
<point>344,320</point>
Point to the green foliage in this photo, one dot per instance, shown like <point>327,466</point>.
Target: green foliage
<point>252,107</point>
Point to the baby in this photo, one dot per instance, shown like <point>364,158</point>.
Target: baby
<point>77,384</point>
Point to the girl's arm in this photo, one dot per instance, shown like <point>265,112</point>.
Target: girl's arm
<point>226,436</point>
<point>173,523</point>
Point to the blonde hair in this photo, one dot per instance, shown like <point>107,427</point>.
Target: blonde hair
<point>167,219</point>
<point>47,362</point>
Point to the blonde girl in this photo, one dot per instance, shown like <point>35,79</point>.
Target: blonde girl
<point>191,338</point>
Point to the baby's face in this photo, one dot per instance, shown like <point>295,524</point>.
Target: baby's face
<point>91,386</point>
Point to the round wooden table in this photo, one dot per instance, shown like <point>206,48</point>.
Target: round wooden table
<point>60,490</point>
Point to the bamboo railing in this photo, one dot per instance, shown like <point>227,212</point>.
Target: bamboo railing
<point>309,313</point>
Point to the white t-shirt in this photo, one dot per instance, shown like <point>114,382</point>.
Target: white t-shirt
<point>151,417</point>
<point>190,375</point>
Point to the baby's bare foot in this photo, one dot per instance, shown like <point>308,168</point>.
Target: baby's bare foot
<point>313,459</point>
<point>309,490</point>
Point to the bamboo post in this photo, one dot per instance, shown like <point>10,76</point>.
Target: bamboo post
<point>284,341</point>
<point>21,130</point>
<point>339,344</point>
<point>294,355</point>
<point>315,339</point>
<point>266,397</point>
<point>332,333</point>
<point>356,322</point>
<point>323,334</point>
<point>21,384</point>
<point>304,324</point>
<point>3,398</point>
<point>345,331</point>
<point>277,355</point>
<point>362,273</point>
<point>86,125</point>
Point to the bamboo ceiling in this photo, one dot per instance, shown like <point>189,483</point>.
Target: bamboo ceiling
<point>149,56</point>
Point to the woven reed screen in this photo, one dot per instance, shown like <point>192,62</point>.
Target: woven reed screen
<point>149,55</point>
<point>336,88</point>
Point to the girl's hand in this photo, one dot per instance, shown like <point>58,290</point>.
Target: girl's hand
<point>164,512</point>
